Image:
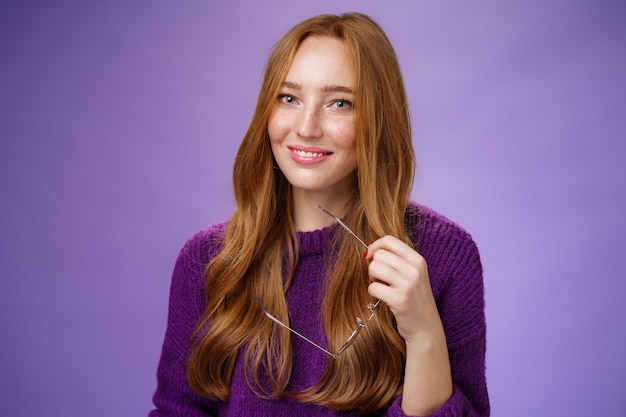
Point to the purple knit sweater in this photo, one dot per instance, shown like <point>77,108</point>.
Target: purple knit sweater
<point>456,279</point>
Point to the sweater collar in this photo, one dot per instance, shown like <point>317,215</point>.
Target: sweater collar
<point>316,242</point>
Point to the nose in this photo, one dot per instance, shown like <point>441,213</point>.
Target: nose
<point>309,124</point>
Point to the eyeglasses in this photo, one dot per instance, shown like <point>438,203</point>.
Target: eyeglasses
<point>360,323</point>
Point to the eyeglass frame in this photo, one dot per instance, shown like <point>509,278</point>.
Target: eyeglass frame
<point>361,323</point>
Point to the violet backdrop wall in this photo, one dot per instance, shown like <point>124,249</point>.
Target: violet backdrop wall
<point>119,121</point>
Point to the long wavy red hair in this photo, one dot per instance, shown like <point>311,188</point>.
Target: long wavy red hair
<point>261,235</point>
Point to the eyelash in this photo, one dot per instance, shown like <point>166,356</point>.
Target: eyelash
<point>346,103</point>
<point>284,97</point>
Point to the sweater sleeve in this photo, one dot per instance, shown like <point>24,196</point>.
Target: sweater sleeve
<point>457,281</point>
<point>173,396</point>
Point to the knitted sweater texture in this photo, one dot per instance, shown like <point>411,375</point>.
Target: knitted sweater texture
<point>456,279</point>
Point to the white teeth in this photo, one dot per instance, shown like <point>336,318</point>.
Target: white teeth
<point>305,154</point>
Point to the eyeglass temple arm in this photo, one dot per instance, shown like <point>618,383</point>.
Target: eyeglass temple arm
<point>361,323</point>
<point>275,320</point>
<point>375,304</point>
<point>342,224</point>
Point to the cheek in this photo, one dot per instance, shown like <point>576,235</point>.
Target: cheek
<point>277,127</point>
<point>272,128</point>
<point>345,135</point>
<point>349,135</point>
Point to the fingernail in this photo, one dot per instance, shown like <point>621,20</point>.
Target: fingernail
<point>365,254</point>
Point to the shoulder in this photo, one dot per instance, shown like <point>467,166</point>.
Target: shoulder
<point>449,250</point>
<point>187,285</point>
<point>200,248</point>
<point>430,228</point>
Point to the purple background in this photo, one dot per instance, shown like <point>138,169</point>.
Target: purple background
<point>119,121</point>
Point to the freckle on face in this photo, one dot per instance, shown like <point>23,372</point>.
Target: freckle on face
<point>320,76</point>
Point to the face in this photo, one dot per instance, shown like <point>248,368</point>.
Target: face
<point>311,127</point>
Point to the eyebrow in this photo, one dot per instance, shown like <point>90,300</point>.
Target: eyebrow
<point>325,89</point>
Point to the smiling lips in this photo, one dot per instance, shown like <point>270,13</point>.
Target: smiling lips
<point>308,156</point>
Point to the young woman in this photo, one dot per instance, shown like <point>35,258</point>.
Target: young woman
<point>282,311</point>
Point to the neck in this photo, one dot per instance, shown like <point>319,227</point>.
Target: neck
<point>307,214</point>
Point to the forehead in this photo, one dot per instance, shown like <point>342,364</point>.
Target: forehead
<point>321,60</point>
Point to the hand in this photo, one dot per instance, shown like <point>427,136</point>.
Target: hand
<point>400,279</point>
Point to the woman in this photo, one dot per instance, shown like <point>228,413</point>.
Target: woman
<point>261,307</point>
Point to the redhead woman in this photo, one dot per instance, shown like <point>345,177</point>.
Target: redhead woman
<point>328,292</point>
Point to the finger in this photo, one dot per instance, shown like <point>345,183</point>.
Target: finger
<point>382,272</point>
<point>381,291</point>
<point>395,299</point>
<point>393,245</point>
<point>394,261</point>
<point>411,268</point>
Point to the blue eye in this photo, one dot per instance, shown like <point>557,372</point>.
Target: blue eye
<point>286,98</point>
<point>342,104</point>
